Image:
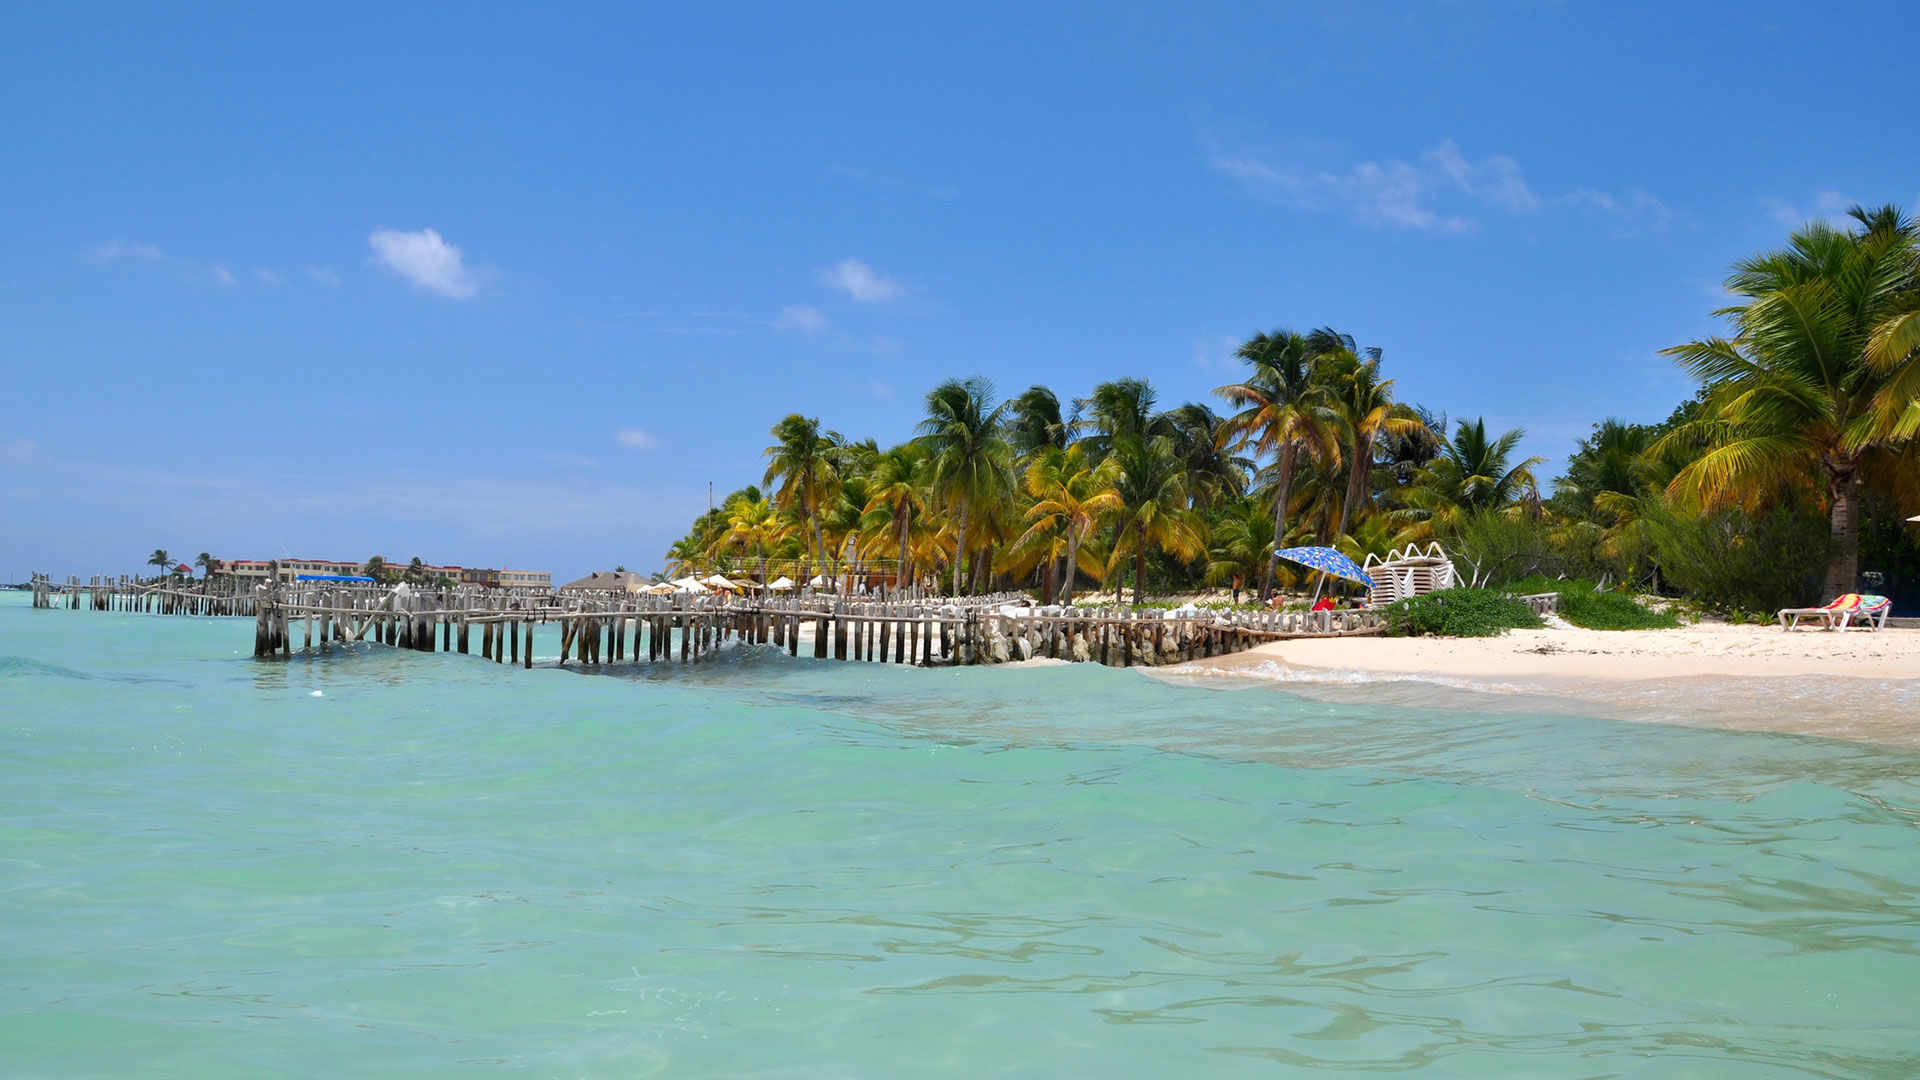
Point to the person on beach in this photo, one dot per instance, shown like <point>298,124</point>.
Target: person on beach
<point>1273,600</point>
<point>1236,590</point>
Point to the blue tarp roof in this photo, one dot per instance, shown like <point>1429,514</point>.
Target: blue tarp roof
<point>329,577</point>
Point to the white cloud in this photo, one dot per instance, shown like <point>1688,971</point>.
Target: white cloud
<point>323,276</point>
<point>1828,206</point>
<point>425,259</point>
<point>115,249</point>
<point>796,317</point>
<point>1417,195</point>
<point>271,277</point>
<point>1390,193</point>
<point>1496,179</point>
<point>634,438</point>
<point>20,452</point>
<point>223,275</point>
<point>859,281</point>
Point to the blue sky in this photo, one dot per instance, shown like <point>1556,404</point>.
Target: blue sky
<point>489,284</point>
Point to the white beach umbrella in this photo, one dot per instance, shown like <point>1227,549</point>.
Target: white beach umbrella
<point>661,589</point>
<point>718,582</point>
<point>689,584</point>
<point>781,583</point>
<point>818,582</point>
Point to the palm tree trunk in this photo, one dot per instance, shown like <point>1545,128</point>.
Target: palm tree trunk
<point>960,547</point>
<point>900,571</point>
<point>1283,494</point>
<point>1349,511</point>
<point>1073,565</point>
<point>1843,566</point>
<point>1139,563</point>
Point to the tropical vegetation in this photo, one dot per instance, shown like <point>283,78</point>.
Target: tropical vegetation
<point>1789,472</point>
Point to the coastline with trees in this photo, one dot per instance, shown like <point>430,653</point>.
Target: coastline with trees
<point>1789,473</point>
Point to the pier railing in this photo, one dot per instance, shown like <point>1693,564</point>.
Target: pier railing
<point>597,629</point>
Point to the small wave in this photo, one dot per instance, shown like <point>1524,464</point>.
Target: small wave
<point>26,667</point>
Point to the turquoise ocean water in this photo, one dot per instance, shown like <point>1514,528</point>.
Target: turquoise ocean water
<point>384,863</point>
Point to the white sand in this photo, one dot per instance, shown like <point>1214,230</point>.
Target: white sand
<point>1567,652</point>
<point>1857,685</point>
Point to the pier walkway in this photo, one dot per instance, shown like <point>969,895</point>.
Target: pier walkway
<point>600,629</point>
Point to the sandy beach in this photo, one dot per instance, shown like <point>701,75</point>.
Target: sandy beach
<point>1856,685</point>
<point>1568,652</point>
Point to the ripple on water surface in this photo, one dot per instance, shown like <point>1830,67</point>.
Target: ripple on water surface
<point>769,867</point>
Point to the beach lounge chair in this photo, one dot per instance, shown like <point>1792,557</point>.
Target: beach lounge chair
<point>1849,609</point>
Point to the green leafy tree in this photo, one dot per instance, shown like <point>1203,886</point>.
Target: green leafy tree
<point>1793,397</point>
<point>971,461</point>
<point>1475,473</point>
<point>896,492</point>
<point>1035,423</point>
<point>1153,512</point>
<point>1283,409</point>
<point>1072,497</point>
<point>802,461</point>
<point>207,564</point>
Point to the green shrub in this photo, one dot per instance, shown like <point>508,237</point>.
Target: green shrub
<point>1459,613</point>
<point>1611,611</point>
<point>1583,604</point>
<point>1731,562</point>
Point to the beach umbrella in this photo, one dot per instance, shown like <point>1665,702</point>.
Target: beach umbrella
<point>718,582</point>
<point>1327,561</point>
<point>662,589</point>
<point>781,583</point>
<point>688,584</point>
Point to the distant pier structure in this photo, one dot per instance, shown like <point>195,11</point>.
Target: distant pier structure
<point>596,630</point>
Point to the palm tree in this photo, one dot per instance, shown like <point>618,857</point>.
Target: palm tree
<point>416,570</point>
<point>1035,424</point>
<point>1203,442</point>
<point>1237,542</point>
<point>1116,410</point>
<point>1152,491</point>
<point>1282,410</point>
<point>207,564</point>
<point>1611,461</point>
<point>162,559</point>
<point>1473,473</point>
<point>1819,379</point>
<point>1364,403</point>
<point>375,568</point>
<point>754,526</point>
<point>802,459</point>
<point>1072,497</point>
<point>971,462</point>
<point>894,496</point>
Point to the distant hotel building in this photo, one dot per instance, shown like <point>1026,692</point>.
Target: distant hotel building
<point>292,569</point>
<point>507,579</point>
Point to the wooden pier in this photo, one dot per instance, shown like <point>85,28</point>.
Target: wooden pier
<point>598,630</point>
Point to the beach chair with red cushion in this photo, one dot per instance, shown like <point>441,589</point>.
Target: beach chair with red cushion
<point>1870,611</point>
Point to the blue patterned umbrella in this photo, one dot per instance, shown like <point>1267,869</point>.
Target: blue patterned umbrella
<point>1327,560</point>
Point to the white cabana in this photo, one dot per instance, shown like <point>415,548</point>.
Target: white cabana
<point>782,583</point>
